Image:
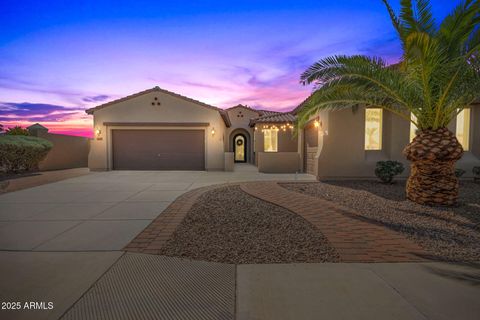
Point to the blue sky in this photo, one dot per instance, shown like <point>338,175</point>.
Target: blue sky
<point>59,57</point>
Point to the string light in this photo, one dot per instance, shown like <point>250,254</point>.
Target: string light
<point>274,127</point>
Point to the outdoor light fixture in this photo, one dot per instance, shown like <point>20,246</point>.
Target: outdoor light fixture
<point>213,131</point>
<point>98,132</point>
<point>316,124</point>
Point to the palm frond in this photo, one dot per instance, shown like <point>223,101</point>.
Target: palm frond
<point>457,27</point>
<point>439,73</point>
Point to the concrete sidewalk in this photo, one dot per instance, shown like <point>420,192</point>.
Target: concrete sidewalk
<point>358,291</point>
<point>114,285</point>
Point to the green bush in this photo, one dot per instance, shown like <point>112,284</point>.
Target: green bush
<point>459,172</point>
<point>17,131</point>
<point>22,153</point>
<point>387,170</point>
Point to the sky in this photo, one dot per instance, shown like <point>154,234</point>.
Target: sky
<point>58,58</point>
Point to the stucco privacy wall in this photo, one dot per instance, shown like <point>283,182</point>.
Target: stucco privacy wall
<point>172,109</point>
<point>278,162</point>
<point>341,144</point>
<point>67,152</point>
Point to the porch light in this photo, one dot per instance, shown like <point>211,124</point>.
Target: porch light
<point>316,124</point>
<point>98,132</point>
<point>213,131</point>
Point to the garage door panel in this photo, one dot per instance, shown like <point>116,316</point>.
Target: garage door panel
<point>158,149</point>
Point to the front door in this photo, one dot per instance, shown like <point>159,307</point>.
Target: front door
<point>240,145</point>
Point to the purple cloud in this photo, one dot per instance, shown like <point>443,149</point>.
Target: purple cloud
<point>36,112</point>
<point>99,98</point>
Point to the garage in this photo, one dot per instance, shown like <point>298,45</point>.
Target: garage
<point>158,149</point>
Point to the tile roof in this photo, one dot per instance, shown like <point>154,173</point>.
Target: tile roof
<point>37,126</point>
<point>278,117</point>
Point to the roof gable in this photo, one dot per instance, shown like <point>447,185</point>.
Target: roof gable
<point>154,89</point>
<point>222,112</point>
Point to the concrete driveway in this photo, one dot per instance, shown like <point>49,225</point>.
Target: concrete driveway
<point>61,243</point>
<point>101,211</point>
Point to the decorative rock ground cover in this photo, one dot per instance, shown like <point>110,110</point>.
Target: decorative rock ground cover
<point>230,226</point>
<point>451,234</point>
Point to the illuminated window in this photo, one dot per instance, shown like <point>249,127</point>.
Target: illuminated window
<point>413,127</point>
<point>270,140</point>
<point>373,128</point>
<point>463,128</point>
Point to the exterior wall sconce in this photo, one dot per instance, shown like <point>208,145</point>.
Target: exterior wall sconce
<point>316,124</point>
<point>98,134</point>
<point>213,131</point>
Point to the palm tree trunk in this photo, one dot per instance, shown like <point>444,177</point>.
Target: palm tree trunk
<point>432,180</point>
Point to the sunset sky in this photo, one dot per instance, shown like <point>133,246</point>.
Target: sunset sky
<point>58,58</point>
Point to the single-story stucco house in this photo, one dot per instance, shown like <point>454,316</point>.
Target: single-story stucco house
<point>160,130</point>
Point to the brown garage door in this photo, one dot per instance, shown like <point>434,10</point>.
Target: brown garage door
<point>158,149</point>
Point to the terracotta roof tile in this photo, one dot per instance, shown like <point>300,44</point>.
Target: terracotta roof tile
<point>278,117</point>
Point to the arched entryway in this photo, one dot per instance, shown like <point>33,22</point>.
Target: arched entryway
<point>240,147</point>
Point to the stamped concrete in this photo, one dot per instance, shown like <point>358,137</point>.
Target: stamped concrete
<point>58,277</point>
<point>142,286</point>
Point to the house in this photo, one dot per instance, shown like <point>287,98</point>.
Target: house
<point>160,130</point>
<point>348,143</point>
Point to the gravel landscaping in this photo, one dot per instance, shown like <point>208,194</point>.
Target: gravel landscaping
<point>450,234</point>
<point>227,225</point>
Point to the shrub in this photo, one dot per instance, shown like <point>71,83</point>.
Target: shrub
<point>387,170</point>
<point>17,131</point>
<point>21,153</point>
<point>476,173</point>
<point>459,172</point>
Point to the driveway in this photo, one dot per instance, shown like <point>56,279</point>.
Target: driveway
<point>101,211</point>
<point>61,244</point>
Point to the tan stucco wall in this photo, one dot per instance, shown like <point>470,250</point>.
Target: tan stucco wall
<point>229,161</point>
<point>172,110</point>
<point>471,158</point>
<point>278,162</point>
<point>341,144</point>
<point>67,152</point>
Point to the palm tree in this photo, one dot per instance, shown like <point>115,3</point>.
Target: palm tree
<point>437,77</point>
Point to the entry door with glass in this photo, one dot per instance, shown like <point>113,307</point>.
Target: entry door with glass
<point>240,148</point>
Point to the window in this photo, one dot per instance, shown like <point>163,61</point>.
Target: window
<point>373,128</point>
<point>270,140</point>
<point>463,128</point>
<point>413,128</point>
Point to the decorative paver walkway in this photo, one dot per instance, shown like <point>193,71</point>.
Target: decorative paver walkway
<point>355,239</point>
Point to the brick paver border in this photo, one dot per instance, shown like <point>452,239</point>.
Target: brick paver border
<point>355,239</point>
